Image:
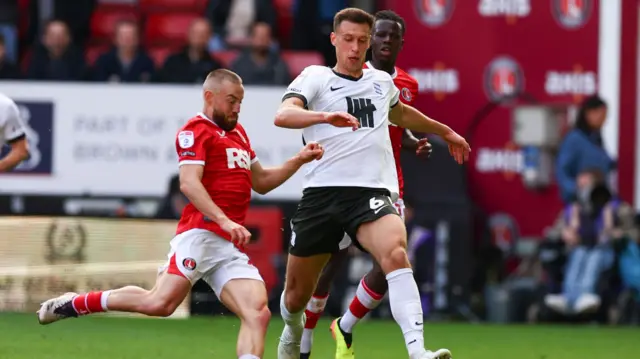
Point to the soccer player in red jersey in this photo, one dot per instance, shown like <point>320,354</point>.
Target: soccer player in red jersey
<point>218,170</point>
<point>386,43</point>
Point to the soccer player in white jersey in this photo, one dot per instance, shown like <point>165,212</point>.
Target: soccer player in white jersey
<point>353,187</point>
<point>12,132</point>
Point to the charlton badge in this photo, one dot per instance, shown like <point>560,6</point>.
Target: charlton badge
<point>189,263</point>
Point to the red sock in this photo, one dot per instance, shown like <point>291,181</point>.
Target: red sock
<point>314,311</point>
<point>363,302</point>
<point>92,302</point>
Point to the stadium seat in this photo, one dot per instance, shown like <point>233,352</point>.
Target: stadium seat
<point>103,23</point>
<point>172,5</point>
<point>298,60</point>
<point>225,57</point>
<point>168,29</point>
<point>284,14</point>
<point>23,18</point>
<point>159,54</point>
<point>93,52</point>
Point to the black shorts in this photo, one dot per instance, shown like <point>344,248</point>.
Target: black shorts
<point>324,214</point>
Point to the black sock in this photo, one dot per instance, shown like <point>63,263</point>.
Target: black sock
<point>305,355</point>
<point>348,337</point>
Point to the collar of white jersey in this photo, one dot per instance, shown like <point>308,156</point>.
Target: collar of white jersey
<point>393,75</point>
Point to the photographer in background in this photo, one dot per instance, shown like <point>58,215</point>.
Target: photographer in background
<point>588,227</point>
<point>12,132</point>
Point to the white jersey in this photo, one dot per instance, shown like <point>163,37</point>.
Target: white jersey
<point>11,127</point>
<point>362,158</point>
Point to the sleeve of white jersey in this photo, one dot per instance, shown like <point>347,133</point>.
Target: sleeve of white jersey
<point>394,95</point>
<point>305,86</point>
<point>12,127</point>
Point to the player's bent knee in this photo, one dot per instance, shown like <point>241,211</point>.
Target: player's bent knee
<point>296,300</point>
<point>160,307</point>
<point>396,259</point>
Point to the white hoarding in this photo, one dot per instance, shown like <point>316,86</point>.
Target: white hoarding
<point>103,139</point>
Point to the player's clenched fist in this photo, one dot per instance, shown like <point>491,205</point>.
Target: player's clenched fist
<point>341,119</point>
<point>458,147</point>
<point>424,148</point>
<point>239,234</point>
<point>312,151</point>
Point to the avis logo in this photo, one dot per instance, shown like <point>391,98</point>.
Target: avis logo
<point>508,160</point>
<point>434,13</point>
<point>237,158</point>
<point>571,14</point>
<point>577,83</point>
<point>511,9</point>
<point>503,78</point>
<point>439,80</point>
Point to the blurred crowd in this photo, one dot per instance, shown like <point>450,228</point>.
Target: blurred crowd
<point>164,41</point>
<point>587,266</point>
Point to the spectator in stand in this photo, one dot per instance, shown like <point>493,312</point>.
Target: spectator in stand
<point>582,148</point>
<point>193,63</point>
<point>233,19</point>
<point>76,14</point>
<point>258,64</point>
<point>8,70</point>
<point>589,227</point>
<point>174,201</point>
<point>312,24</point>
<point>56,59</point>
<point>9,28</point>
<point>126,61</point>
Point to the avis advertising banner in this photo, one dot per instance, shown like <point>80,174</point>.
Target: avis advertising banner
<point>119,140</point>
<point>466,54</point>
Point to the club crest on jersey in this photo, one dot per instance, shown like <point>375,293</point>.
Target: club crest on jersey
<point>433,13</point>
<point>189,263</point>
<point>186,139</point>
<point>406,94</point>
<point>571,14</point>
<point>503,78</point>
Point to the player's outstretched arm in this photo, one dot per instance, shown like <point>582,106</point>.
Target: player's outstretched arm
<point>292,114</point>
<point>19,152</point>
<point>408,117</point>
<point>264,180</point>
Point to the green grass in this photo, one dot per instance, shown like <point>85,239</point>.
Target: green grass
<point>21,337</point>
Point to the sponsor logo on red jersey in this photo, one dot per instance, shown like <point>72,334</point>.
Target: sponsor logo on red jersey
<point>434,13</point>
<point>503,78</point>
<point>572,14</point>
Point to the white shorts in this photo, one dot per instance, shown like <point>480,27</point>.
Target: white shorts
<point>201,254</point>
<point>346,240</point>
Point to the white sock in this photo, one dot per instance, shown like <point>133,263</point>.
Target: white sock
<point>103,299</point>
<point>362,303</point>
<point>406,308</point>
<point>315,307</point>
<point>248,356</point>
<point>293,320</point>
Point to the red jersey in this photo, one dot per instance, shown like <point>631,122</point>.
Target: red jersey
<point>227,158</point>
<point>408,87</point>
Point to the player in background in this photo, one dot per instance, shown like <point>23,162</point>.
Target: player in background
<point>352,189</point>
<point>12,132</point>
<point>387,41</point>
<point>218,170</point>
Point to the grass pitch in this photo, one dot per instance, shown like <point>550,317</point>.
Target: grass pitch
<point>21,337</point>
